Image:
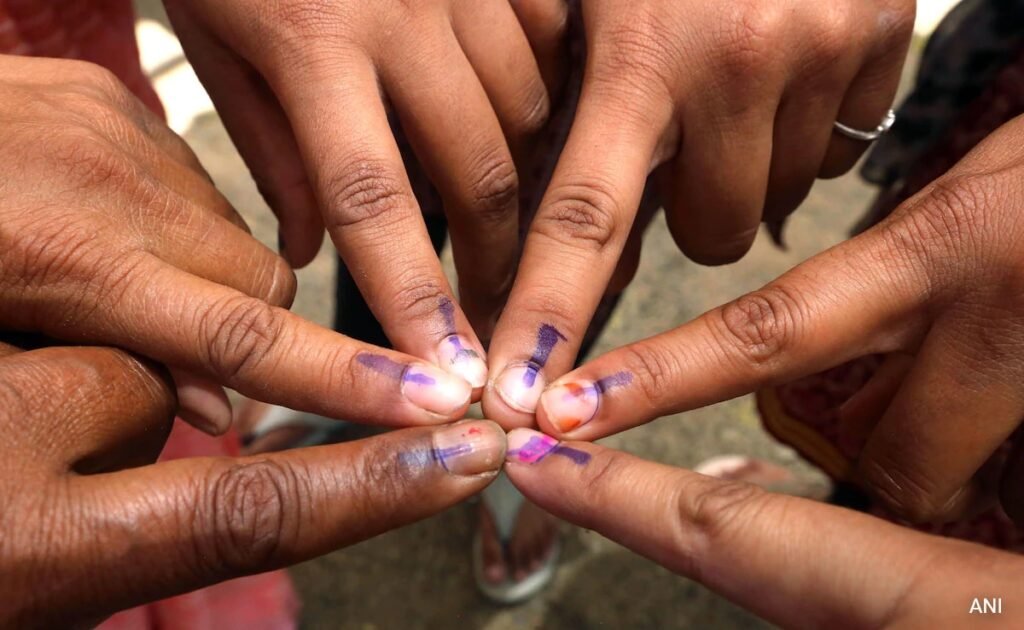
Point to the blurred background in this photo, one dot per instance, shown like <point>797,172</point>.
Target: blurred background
<point>420,576</point>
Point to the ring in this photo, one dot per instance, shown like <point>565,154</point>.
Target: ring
<point>870,135</point>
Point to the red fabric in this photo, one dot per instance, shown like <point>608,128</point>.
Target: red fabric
<point>100,31</point>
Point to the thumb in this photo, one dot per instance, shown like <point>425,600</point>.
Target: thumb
<point>795,562</point>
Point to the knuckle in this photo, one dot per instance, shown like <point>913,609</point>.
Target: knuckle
<point>495,187</point>
<point>747,42</point>
<point>639,53</point>
<point>88,160</point>
<point>363,195</point>
<point>581,216</point>
<point>832,38</point>
<point>241,333</point>
<point>719,507</point>
<point>388,482</point>
<point>956,209</point>
<point>100,81</point>
<point>252,509</point>
<point>655,368</point>
<point>906,493</point>
<point>896,23</point>
<point>295,21</point>
<point>416,295</point>
<point>760,325</point>
<point>595,476</point>
<point>948,224</point>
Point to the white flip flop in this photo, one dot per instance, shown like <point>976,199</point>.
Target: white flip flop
<point>504,502</point>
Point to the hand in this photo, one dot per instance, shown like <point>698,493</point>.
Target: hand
<point>940,285</point>
<point>85,535</point>
<point>302,86</point>
<point>797,563</point>
<point>735,102</point>
<point>111,233</point>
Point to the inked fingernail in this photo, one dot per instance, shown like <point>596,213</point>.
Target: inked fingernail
<point>521,385</point>
<point>526,446</point>
<point>423,385</point>
<point>571,405</point>
<point>458,357</point>
<point>472,447</point>
<point>435,390</point>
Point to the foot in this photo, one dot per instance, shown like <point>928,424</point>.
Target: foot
<point>533,542</point>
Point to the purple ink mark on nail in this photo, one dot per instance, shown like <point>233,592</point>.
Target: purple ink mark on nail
<point>417,378</point>
<point>537,448</point>
<point>422,457</point>
<point>547,337</point>
<point>448,313</point>
<point>382,364</point>
<point>619,379</point>
<point>462,352</point>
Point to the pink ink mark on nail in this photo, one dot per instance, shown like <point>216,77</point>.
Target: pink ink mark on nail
<point>537,448</point>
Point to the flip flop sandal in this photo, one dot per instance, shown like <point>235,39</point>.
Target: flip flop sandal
<point>504,502</point>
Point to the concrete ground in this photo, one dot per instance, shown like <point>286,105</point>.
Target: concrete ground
<point>419,577</point>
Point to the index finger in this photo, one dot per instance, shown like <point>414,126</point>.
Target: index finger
<point>264,352</point>
<point>796,562</point>
<point>369,207</point>
<point>848,302</point>
<point>573,246</point>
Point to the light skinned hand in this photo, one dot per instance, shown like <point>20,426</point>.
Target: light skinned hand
<point>111,233</point>
<point>91,526</point>
<point>306,90</point>
<point>939,286</point>
<point>733,103</point>
<point>795,562</point>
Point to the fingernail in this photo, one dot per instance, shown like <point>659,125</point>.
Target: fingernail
<point>571,405</point>
<point>435,390</point>
<point>201,422</point>
<point>472,447</point>
<point>458,357</point>
<point>203,408</point>
<point>526,446</point>
<point>521,385</point>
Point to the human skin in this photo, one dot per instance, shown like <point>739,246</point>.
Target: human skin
<point>112,233</point>
<point>937,287</point>
<point>731,106</point>
<point>797,563</point>
<point>306,88</point>
<point>91,525</point>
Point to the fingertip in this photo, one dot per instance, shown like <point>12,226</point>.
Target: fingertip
<point>459,356</point>
<point>567,406</point>
<point>470,448</point>
<point>202,403</point>
<point>527,446</point>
